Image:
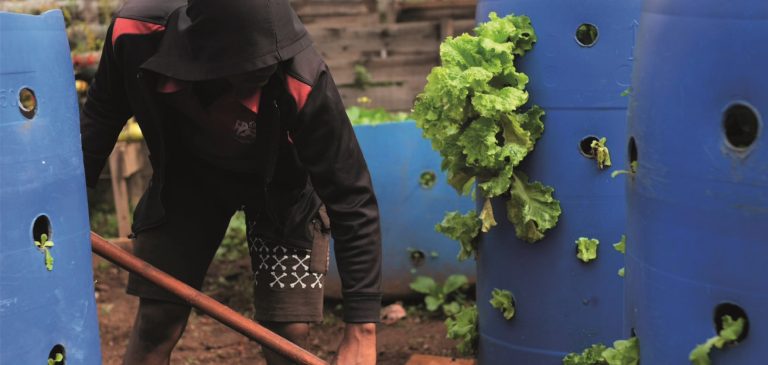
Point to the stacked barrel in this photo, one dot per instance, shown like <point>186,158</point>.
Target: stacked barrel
<point>698,203</point>
<point>413,195</point>
<point>47,306</point>
<point>578,70</point>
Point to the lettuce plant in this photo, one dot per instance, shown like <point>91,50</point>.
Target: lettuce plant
<point>472,110</point>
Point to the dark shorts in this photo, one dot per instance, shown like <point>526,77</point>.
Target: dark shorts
<point>288,281</point>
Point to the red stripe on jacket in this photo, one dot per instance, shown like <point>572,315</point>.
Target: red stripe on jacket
<point>130,26</point>
<point>299,90</point>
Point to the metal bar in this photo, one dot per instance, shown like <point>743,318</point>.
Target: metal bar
<point>197,299</point>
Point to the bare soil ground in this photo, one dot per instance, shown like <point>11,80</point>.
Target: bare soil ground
<point>208,342</point>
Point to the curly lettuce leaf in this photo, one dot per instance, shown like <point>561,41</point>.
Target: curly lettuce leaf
<point>463,327</point>
<point>531,208</point>
<point>590,356</point>
<point>731,331</point>
<point>486,216</point>
<point>462,228</point>
<point>502,300</point>
<point>623,352</point>
<point>587,249</point>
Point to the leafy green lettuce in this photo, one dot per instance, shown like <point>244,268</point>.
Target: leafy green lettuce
<point>502,300</point>
<point>623,352</point>
<point>587,249</point>
<point>462,228</point>
<point>730,333</point>
<point>463,327</point>
<point>472,111</point>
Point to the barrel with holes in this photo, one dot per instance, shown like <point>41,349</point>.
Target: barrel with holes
<point>413,196</point>
<point>47,307</point>
<point>578,70</point>
<point>698,203</point>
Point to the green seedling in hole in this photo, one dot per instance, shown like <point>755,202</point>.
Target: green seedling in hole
<point>601,153</point>
<point>427,180</point>
<point>502,300</point>
<point>627,91</point>
<point>632,170</point>
<point>730,333</point>
<point>44,245</point>
<point>58,358</point>
<point>621,246</point>
<point>449,296</point>
<point>587,249</point>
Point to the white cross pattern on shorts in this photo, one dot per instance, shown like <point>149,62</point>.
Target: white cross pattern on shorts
<point>279,262</point>
<point>299,280</point>
<point>277,280</point>
<point>317,282</point>
<point>263,264</point>
<point>301,262</point>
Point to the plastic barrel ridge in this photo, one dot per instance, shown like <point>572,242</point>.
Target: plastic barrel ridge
<point>564,305</point>
<point>399,160</point>
<point>698,204</point>
<point>42,190</point>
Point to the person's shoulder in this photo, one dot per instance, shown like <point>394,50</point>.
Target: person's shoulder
<point>306,66</point>
<point>149,11</point>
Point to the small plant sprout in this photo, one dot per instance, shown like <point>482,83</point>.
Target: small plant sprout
<point>45,245</point>
<point>731,331</point>
<point>632,170</point>
<point>586,249</point>
<point>502,300</point>
<point>621,246</point>
<point>601,153</point>
<point>58,358</point>
<point>627,91</point>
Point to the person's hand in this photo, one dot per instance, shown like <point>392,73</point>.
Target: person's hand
<point>358,347</point>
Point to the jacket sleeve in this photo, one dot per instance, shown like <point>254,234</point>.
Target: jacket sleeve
<point>327,146</point>
<point>105,112</point>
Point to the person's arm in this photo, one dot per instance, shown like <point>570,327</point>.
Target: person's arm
<point>327,146</point>
<point>105,112</point>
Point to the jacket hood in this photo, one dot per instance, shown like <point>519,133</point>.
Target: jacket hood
<point>208,39</point>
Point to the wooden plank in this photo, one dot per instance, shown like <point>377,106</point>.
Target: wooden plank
<point>120,190</point>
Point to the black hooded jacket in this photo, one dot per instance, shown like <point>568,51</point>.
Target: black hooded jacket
<point>320,164</point>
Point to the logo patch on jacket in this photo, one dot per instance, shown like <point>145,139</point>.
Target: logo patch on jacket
<point>245,132</point>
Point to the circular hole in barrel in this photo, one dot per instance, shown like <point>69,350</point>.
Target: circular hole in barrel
<point>741,126</point>
<point>585,146</point>
<point>57,355</point>
<point>586,35</point>
<point>27,103</point>
<point>42,225</point>
<point>417,257</point>
<point>428,179</point>
<point>736,312</point>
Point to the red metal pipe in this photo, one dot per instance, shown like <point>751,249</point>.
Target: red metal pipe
<point>219,311</point>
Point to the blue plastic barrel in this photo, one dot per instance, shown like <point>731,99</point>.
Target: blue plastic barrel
<point>564,305</point>
<point>42,190</point>
<point>398,156</point>
<point>698,205</point>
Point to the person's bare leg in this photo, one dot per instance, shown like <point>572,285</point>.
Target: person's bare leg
<point>297,333</point>
<point>158,327</point>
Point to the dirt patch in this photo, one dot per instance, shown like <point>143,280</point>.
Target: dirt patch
<point>208,342</point>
